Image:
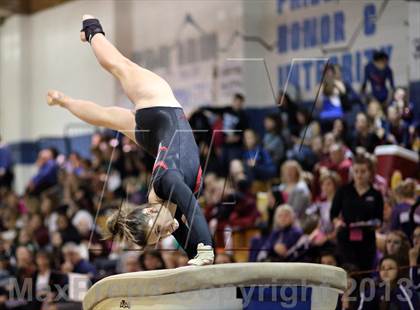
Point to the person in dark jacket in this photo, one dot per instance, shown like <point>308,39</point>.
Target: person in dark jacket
<point>73,261</point>
<point>257,160</point>
<point>46,176</point>
<point>47,282</point>
<point>6,166</point>
<point>390,292</point>
<point>363,136</point>
<point>273,140</point>
<point>358,202</point>
<point>288,111</point>
<point>377,73</point>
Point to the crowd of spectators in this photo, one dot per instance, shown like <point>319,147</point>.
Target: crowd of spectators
<point>323,201</point>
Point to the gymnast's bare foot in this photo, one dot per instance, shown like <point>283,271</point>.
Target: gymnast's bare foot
<point>82,33</point>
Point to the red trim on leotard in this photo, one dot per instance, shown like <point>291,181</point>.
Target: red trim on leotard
<point>198,180</point>
<point>161,164</point>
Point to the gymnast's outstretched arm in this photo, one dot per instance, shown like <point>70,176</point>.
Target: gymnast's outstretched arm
<point>115,118</point>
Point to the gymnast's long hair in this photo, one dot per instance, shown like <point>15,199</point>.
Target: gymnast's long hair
<point>129,223</point>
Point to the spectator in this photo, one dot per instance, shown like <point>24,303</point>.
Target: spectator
<point>294,190</point>
<point>66,229</point>
<point>89,237</point>
<point>394,127</point>
<point>244,213</point>
<point>49,202</point>
<point>389,292</point>
<point>377,73</point>
<point>357,202</point>
<point>25,266</point>
<point>236,210</point>
<point>47,172</point>
<point>377,118</point>
<point>218,206</point>
<point>406,197</point>
<point>328,140</point>
<point>411,119</point>
<point>7,271</point>
<point>349,300</point>
<point>415,212</point>
<point>199,121</point>
<point>224,258</point>
<point>397,245</point>
<point>234,123</point>
<point>283,237</point>
<point>414,259</point>
<point>74,164</point>
<point>389,203</point>
<point>338,162</point>
<point>151,260</point>
<point>47,281</point>
<point>257,160</point>
<point>273,141</point>
<point>400,101</point>
<point>330,181</point>
<point>349,98</point>
<point>288,111</point>
<point>363,136</point>
<point>38,231</point>
<point>379,182</point>
<point>24,239</point>
<point>73,261</point>
<point>6,166</point>
<point>339,131</point>
<point>329,259</point>
<point>182,259</point>
<point>302,150</point>
<point>129,262</point>
<point>329,102</point>
<point>237,170</point>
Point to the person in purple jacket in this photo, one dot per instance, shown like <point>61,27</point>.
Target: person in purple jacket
<point>377,73</point>
<point>406,197</point>
<point>284,236</point>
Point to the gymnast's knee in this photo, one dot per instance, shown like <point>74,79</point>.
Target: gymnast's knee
<point>166,183</point>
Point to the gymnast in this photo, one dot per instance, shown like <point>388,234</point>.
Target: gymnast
<point>158,125</point>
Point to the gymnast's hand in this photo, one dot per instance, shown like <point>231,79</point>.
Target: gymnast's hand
<point>82,33</point>
<point>55,97</point>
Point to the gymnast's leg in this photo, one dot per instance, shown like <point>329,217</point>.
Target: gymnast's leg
<point>170,186</point>
<point>138,83</point>
<point>181,235</point>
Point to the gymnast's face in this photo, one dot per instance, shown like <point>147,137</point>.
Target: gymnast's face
<point>161,224</point>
